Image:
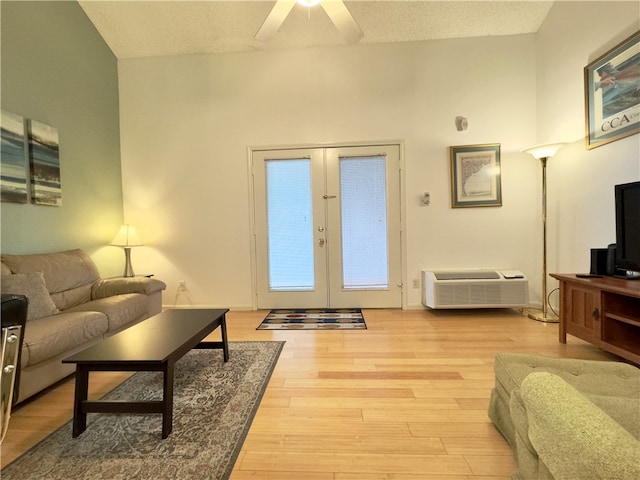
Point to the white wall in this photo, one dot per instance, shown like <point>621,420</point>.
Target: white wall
<point>188,121</point>
<point>581,182</point>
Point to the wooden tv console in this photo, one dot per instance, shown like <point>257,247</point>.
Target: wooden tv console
<point>603,311</point>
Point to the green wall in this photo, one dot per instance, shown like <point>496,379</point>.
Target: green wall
<point>57,69</point>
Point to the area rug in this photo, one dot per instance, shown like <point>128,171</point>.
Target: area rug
<point>214,405</point>
<point>314,319</point>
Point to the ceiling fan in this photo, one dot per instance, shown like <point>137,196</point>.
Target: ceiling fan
<point>335,9</point>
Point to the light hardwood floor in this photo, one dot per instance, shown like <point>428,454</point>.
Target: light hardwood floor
<point>406,399</point>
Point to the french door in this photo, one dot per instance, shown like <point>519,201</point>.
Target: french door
<point>327,227</point>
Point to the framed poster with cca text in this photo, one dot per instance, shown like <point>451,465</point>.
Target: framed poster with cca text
<point>612,94</point>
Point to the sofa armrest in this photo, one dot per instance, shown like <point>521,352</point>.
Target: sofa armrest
<point>572,436</point>
<point>117,286</point>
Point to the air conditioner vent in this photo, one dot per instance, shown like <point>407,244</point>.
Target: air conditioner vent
<point>469,275</point>
<point>475,289</point>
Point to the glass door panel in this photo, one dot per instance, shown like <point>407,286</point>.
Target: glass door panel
<point>363,214</point>
<point>289,225</point>
<point>365,257</point>
<point>290,260</point>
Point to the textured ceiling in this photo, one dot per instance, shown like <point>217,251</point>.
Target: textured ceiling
<point>178,27</point>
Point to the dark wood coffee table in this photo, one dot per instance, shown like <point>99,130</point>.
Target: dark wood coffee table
<point>155,344</point>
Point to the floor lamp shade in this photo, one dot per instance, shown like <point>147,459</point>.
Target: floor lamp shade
<point>127,237</point>
<point>543,153</point>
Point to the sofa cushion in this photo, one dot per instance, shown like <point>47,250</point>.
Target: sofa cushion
<point>587,376</point>
<point>47,337</point>
<point>33,287</point>
<point>573,437</point>
<point>592,378</point>
<point>68,275</point>
<point>624,410</point>
<point>120,309</point>
<point>73,296</point>
<point>4,270</point>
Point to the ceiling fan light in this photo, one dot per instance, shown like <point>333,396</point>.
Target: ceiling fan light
<point>308,3</point>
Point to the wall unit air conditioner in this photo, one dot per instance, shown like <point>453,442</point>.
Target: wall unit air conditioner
<point>474,289</point>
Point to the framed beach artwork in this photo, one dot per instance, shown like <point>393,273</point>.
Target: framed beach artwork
<point>13,160</point>
<point>612,103</point>
<point>44,160</point>
<point>476,176</point>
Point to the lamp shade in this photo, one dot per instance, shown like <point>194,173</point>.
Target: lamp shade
<point>544,151</point>
<point>127,237</point>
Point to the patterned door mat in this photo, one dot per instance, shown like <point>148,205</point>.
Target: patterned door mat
<point>314,319</point>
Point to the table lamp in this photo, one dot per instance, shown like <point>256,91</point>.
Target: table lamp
<point>127,237</point>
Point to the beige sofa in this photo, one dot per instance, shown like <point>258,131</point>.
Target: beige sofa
<point>70,308</point>
<point>568,419</point>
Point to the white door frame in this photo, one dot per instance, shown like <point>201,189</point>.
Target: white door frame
<point>252,213</point>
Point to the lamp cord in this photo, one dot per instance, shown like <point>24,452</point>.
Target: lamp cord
<point>181,290</point>
<point>549,302</point>
<point>522,310</point>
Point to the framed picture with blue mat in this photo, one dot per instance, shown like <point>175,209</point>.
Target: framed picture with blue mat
<point>314,319</point>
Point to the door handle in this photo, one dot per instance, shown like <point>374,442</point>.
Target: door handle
<point>321,242</point>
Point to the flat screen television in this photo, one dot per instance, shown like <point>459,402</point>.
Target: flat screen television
<point>628,229</point>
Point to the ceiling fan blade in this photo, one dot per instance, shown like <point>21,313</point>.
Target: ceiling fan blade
<point>344,22</point>
<point>275,18</point>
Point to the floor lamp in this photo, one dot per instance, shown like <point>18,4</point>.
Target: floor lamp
<point>127,237</point>
<point>544,153</point>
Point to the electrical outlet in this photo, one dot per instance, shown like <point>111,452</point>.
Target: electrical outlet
<point>182,285</point>
<point>416,283</point>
